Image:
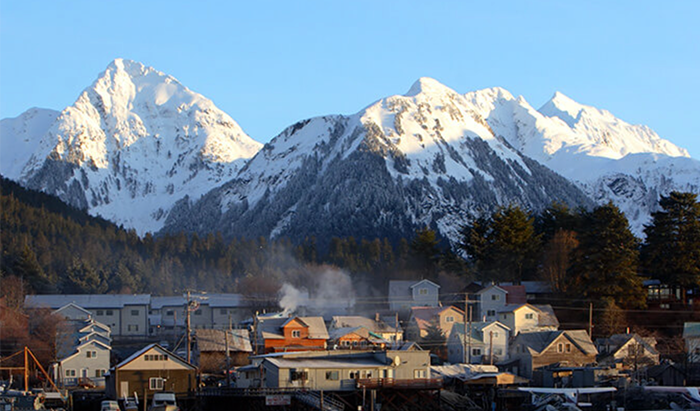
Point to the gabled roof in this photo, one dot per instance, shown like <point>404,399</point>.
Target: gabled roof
<point>381,326</point>
<point>425,282</point>
<point>74,307</point>
<point>271,328</point>
<point>158,348</point>
<point>209,340</point>
<point>477,335</point>
<point>492,287</point>
<point>95,324</point>
<point>423,315</point>
<point>618,341</point>
<point>545,317</point>
<point>77,349</point>
<point>292,319</point>
<point>540,341</point>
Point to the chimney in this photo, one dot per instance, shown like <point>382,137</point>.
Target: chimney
<point>376,317</point>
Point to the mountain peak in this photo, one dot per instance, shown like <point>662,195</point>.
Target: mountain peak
<point>563,107</point>
<point>427,85</point>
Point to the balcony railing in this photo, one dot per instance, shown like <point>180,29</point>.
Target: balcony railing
<point>416,383</point>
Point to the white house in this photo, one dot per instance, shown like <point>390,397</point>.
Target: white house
<point>527,318</point>
<point>486,338</point>
<point>86,365</point>
<point>691,335</point>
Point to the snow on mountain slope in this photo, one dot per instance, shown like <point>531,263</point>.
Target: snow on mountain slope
<point>19,137</point>
<point>402,163</point>
<point>135,142</point>
<point>608,158</point>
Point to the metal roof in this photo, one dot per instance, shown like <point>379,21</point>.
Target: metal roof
<point>86,301</point>
<point>345,363</point>
<point>215,340</point>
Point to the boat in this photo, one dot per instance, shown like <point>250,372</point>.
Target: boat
<point>164,401</point>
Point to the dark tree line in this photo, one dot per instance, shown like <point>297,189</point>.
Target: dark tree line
<point>589,254</point>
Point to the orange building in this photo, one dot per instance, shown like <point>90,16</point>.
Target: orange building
<point>291,334</point>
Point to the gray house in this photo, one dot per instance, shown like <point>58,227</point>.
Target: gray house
<point>406,294</point>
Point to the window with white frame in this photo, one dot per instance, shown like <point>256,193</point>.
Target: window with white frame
<point>419,373</point>
<point>296,333</point>
<point>495,297</point>
<point>91,354</point>
<point>476,351</point>
<point>449,319</point>
<point>529,316</point>
<point>70,373</point>
<point>155,383</point>
<point>560,347</point>
<point>491,313</point>
<point>100,373</point>
<point>423,291</point>
<point>132,327</point>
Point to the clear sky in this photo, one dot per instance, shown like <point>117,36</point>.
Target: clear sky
<point>269,64</point>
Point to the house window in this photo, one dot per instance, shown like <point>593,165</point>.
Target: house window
<point>155,357</point>
<point>198,312</point>
<point>91,354</point>
<point>332,375</point>
<point>529,316</point>
<point>450,319</point>
<point>560,347</point>
<point>132,327</point>
<point>504,316</point>
<point>155,383</point>
<point>419,373</point>
<point>491,313</point>
<point>497,351</point>
<point>109,312</point>
<point>296,334</point>
<point>100,312</point>
<point>224,311</point>
<point>295,375</point>
<point>568,347</point>
<point>134,312</point>
<point>495,334</point>
<point>70,373</point>
<point>423,291</point>
<point>476,351</point>
<point>495,297</point>
<point>665,306</point>
<point>99,373</point>
<point>169,313</point>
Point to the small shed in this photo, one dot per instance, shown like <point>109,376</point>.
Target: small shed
<point>210,349</point>
<point>150,370</point>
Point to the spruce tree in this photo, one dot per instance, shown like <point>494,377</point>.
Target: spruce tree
<point>606,260</point>
<point>671,252</point>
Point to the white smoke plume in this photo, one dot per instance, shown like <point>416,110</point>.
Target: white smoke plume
<point>329,290</point>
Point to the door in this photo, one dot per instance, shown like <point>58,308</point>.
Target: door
<point>124,389</point>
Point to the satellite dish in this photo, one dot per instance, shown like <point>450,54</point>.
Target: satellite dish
<point>397,361</point>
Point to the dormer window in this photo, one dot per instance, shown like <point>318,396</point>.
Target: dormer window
<point>449,319</point>
<point>423,291</point>
<point>495,297</point>
<point>296,333</point>
<point>529,316</point>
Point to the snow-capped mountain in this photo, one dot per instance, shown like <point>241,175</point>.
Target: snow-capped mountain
<point>142,150</point>
<point>20,136</point>
<point>135,142</point>
<point>423,158</point>
<point>608,158</point>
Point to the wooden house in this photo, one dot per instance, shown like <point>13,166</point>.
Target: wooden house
<point>422,317</point>
<point>356,338</point>
<point>291,334</point>
<point>210,349</point>
<point>406,294</point>
<point>388,330</point>
<point>150,370</point>
<point>533,350</point>
<point>627,349</point>
<point>487,338</point>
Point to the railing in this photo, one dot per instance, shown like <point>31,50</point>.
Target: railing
<point>313,398</point>
<point>416,383</point>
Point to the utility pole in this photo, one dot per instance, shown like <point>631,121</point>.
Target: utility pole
<point>188,326</point>
<point>490,347</point>
<point>464,320</point>
<point>396,330</point>
<point>228,355</point>
<point>590,320</point>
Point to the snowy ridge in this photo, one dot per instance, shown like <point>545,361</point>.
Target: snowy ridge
<point>404,162</point>
<point>134,143</point>
<point>19,137</point>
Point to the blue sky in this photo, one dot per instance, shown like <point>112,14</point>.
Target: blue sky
<point>269,64</point>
